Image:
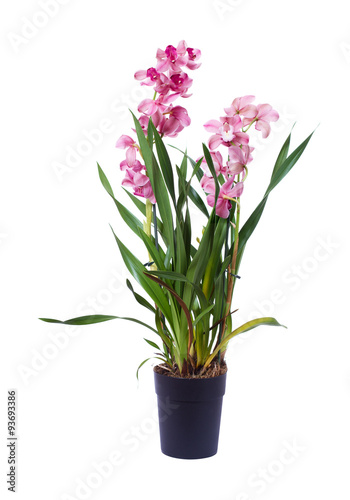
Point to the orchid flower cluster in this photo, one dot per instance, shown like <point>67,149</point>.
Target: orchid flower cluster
<point>169,82</point>
<point>189,281</point>
<point>230,131</point>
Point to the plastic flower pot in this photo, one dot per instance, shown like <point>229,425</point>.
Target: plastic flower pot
<point>189,415</point>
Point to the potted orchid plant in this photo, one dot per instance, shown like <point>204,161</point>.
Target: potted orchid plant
<point>189,279</point>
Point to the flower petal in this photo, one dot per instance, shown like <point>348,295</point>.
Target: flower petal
<point>223,208</point>
<point>124,141</point>
<point>264,127</point>
<point>140,75</point>
<point>212,126</point>
<point>214,141</point>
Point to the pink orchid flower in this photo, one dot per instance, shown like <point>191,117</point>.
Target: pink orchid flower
<point>136,166</point>
<point>128,143</point>
<point>220,168</point>
<point>180,83</point>
<point>264,115</point>
<point>172,58</point>
<point>151,76</point>
<point>158,120</point>
<point>239,159</point>
<point>178,119</point>
<point>227,132</point>
<point>193,56</point>
<point>149,106</point>
<point>140,184</point>
<point>227,192</point>
<point>242,106</point>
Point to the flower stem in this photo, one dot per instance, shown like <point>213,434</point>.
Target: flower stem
<point>147,227</point>
<point>246,130</point>
<point>232,269</point>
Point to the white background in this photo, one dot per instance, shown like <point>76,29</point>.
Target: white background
<point>58,255</point>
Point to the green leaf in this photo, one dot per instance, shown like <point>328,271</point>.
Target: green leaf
<point>142,207</point>
<point>158,185</point>
<point>197,200</point>
<point>187,234</point>
<point>283,154</point>
<point>183,166</point>
<point>128,217</point>
<point>214,261</point>
<point>211,167</point>
<point>136,268</point>
<point>183,193</point>
<point>82,320</point>
<point>141,300</point>
<point>165,163</point>
<point>202,314</point>
<point>150,133</point>
<point>146,150</point>
<point>162,332</point>
<point>199,172</point>
<point>105,181</point>
<point>172,276</point>
<point>152,344</point>
<point>196,168</point>
<point>140,365</point>
<point>182,305</point>
<point>242,329</point>
<point>95,318</point>
<point>287,165</point>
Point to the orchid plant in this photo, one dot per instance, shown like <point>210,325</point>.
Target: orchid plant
<point>190,282</point>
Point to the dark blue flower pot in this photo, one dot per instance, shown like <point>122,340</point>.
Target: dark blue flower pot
<point>189,415</point>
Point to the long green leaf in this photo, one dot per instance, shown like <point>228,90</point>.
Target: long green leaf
<point>95,318</point>
<point>105,182</point>
<point>165,163</point>
<point>128,217</point>
<point>82,320</point>
<point>243,328</point>
<point>141,300</point>
<point>158,185</point>
<point>199,172</point>
<point>202,314</point>
<point>152,344</point>
<point>288,164</point>
<point>197,200</point>
<point>283,154</point>
<point>136,268</point>
<point>140,365</point>
<point>211,167</point>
